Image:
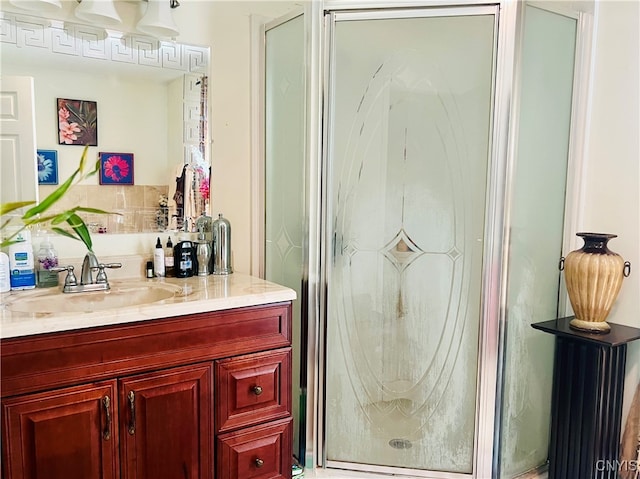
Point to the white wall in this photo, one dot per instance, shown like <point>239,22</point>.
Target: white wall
<point>611,188</point>
<point>132,118</point>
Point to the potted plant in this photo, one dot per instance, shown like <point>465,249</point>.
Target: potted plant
<point>12,223</point>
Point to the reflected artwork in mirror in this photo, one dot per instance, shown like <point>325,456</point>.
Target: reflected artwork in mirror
<point>153,104</point>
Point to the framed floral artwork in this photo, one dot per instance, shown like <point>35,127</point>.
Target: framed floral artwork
<point>116,168</point>
<point>47,161</point>
<point>77,122</point>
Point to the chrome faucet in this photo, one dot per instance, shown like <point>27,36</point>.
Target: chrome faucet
<point>90,263</point>
<point>87,283</point>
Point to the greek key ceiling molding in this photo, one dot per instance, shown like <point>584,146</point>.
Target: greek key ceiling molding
<point>83,41</point>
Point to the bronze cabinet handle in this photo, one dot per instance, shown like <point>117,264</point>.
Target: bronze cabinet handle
<point>259,462</point>
<point>257,390</point>
<point>106,403</point>
<point>132,407</point>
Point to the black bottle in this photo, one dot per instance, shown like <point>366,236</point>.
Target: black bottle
<point>184,260</point>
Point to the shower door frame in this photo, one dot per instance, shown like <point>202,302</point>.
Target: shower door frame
<point>494,263</point>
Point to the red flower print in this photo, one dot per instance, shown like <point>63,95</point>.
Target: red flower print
<point>116,168</point>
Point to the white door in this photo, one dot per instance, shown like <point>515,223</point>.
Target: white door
<point>18,176</point>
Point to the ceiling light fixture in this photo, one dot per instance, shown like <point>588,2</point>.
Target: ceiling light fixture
<point>98,12</point>
<point>157,20</point>
<point>37,5</point>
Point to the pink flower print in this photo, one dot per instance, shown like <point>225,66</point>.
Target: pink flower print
<point>116,168</point>
<point>68,132</point>
<point>63,115</point>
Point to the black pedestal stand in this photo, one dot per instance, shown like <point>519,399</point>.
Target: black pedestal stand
<point>586,410</point>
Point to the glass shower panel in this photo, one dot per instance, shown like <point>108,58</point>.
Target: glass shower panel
<point>285,175</point>
<point>537,215</point>
<point>409,138</point>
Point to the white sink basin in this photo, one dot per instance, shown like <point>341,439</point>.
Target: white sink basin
<point>122,294</point>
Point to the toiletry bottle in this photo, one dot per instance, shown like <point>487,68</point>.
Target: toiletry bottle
<point>183,257</point>
<point>168,259</point>
<point>47,259</point>
<point>21,263</point>
<point>5,282</point>
<point>149,270</point>
<point>158,259</point>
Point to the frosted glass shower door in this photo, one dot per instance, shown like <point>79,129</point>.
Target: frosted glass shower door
<point>285,196</point>
<point>410,108</point>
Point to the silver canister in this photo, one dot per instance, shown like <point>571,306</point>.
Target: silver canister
<point>221,246</point>
<point>203,254</point>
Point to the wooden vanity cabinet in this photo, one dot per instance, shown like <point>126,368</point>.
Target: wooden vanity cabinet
<point>204,396</point>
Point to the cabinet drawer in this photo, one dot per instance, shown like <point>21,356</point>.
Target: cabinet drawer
<point>252,389</point>
<point>263,451</point>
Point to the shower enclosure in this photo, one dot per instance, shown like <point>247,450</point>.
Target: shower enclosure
<point>408,161</point>
<point>415,190</point>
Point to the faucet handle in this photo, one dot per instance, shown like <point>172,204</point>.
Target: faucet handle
<point>111,265</point>
<point>70,279</point>
<point>101,277</point>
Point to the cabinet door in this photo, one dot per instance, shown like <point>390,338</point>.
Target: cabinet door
<point>166,426</point>
<point>259,452</point>
<point>64,434</point>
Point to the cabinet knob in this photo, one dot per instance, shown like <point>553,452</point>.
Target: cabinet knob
<point>257,390</point>
<point>259,462</point>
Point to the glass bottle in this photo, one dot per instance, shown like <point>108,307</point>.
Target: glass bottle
<point>168,259</point>
<point>47,258</point>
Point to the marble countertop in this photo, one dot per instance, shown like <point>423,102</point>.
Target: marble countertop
<point>188,296</point>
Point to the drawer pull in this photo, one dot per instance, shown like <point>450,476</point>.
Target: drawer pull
<point>259,462</point>
<point>132,407</point>
<point>257,390</point>
<point>106,402</point>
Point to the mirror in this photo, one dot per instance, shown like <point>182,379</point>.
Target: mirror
<point>151,105</point>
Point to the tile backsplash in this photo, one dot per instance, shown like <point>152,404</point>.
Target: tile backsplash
<point>138,206</point>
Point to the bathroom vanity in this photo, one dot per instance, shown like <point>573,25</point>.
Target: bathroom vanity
<point>194,386</point>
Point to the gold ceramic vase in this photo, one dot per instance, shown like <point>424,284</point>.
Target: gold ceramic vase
<point>593,275</point>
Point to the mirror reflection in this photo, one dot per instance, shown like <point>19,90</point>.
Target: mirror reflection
<point>150,100</point>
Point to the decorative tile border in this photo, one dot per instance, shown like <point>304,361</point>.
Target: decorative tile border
<point>65,38</point>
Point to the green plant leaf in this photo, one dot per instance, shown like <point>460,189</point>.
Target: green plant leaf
<point>63,232</point>
<point>12,206</point>
<point>96,211</point>
<point>62,217</point>
<point>81,230</point>
<point>51,199</point>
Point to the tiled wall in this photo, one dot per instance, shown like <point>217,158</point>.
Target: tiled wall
<point>139,206</point>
